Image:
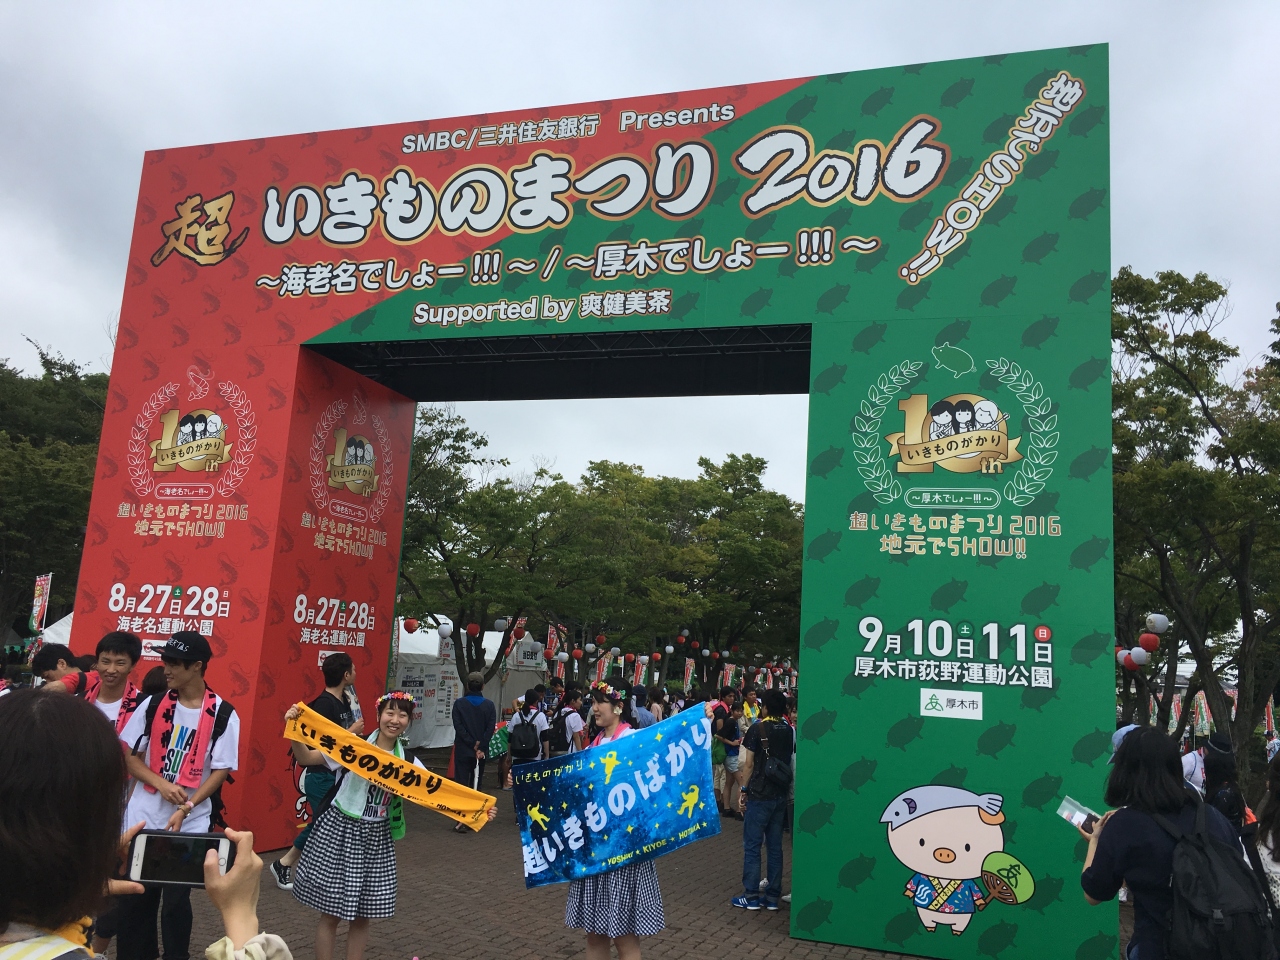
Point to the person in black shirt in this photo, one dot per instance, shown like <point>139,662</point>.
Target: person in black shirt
<point>334,706</point>
<point>763,802</point>
<point>1128,846</point>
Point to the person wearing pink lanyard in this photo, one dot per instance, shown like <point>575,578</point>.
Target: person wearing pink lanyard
<point>616,908</point>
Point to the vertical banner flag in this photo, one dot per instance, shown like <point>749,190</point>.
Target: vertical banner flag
<point>1201,715</point>
<point>40,602</point>
<point>1175,713</point>
<point>638,674</point>
<point>688,673</point>
<point>625,801</point>
<point>1270,711</point>
<point>553,640</point>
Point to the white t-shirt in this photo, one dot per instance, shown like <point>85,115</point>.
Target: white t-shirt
<point>151,808</point>
<point>109,710</point>
<point>1193,769</point>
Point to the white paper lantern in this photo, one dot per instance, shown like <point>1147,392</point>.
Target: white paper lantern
<point>500,625</point>
<point>1120,655</point>
<point>643,658</point>
<point>1157,622</point>
<point>1140,656</point>
<point>590,648</point>
<point>706,652</point>
<point>615,650</point>
<point>562,656</point>
<point>668,649</point>
<point>445,630</point>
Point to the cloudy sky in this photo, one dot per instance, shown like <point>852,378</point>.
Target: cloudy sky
<point>86,88</point>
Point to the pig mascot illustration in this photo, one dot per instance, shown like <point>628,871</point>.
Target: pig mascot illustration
<point>952,837</point>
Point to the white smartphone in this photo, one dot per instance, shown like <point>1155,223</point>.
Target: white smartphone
<point>159,856</point>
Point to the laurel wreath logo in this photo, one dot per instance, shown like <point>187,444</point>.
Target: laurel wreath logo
<point>875,473</point>
<point>387,473</point>
<point>139,460</point>
<point>246,437</point>
<point>1035,469</point>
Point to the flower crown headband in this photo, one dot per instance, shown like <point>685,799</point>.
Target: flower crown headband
<point>395,696</point>
<point>610,694</point>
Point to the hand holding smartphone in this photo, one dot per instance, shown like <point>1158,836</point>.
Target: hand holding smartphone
<point>1078,815</point>
<point>159,856</point>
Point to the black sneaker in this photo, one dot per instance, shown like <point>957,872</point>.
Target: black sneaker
<point>283,875</point>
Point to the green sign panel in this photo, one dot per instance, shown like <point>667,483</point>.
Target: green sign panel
<point>944,229</point>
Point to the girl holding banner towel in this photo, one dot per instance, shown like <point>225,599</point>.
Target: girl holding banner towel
<point>619,907</point>
<point>348,867</point>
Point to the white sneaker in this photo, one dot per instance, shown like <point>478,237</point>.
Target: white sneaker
<point>786,898</point>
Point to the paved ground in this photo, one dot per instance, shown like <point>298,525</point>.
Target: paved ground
<point>462,897</point>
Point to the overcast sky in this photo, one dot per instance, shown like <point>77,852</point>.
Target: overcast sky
<point>86,88</point>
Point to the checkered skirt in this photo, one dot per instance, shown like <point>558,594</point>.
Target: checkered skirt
<point>620,903</point>
<point>348,868</point>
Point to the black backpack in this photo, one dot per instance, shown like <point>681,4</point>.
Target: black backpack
<point>558,736</point>
<point>523,740</point>
<point>218,809</point>
<point>773,780</point>
<point>1219,907</point>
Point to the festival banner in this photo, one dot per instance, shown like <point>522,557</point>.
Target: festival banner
<point>1270,711</point>
<point>638,675</point>
<point>553,641</point>
<point>1175,713</point>
<point>688,673</point>
<point>1201,715</point>
<point>394,774</point>
<point>631,799</point>
<point>40,602</point>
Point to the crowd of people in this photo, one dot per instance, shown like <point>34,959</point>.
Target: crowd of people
<point>91,759</point>
<point>156,756</point>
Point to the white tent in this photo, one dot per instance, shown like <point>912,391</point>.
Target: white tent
<point>426,668</point>
<point>59,632</point>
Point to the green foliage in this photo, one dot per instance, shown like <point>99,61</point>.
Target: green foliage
<point>49,427</point>
<point>1196,494</point>
<point>632,556</point>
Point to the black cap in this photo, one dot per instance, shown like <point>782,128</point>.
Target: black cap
<point>187,646</point>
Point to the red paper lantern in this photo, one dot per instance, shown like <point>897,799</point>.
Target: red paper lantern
<point>410,625</point>
<point>518,633</point>
<point>601,639</point>
<point>473,629</point>
<point>1149,642</point>
<point>655,656</point>
<point>630,658</point>
<point>577,654</point>
<point>1129,664</point>
<point>548,654</point>
<point>735,648</point>
<point>680,639</point>
<point>695,644</point>
<point>715,654</point>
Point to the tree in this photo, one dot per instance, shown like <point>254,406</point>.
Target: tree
<point>49,428</point>
<point>1196,494</point>
<point>619,553</point>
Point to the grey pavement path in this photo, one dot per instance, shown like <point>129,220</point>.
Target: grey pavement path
<point>462,897</point>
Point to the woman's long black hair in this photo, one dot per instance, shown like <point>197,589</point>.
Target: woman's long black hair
<point>1147,774</point>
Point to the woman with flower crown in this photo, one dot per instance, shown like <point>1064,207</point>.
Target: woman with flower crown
<point>616,908</point>
<point>348,867</point>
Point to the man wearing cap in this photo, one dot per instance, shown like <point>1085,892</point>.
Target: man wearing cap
<point>474,720</point>
<point>184,743</point>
